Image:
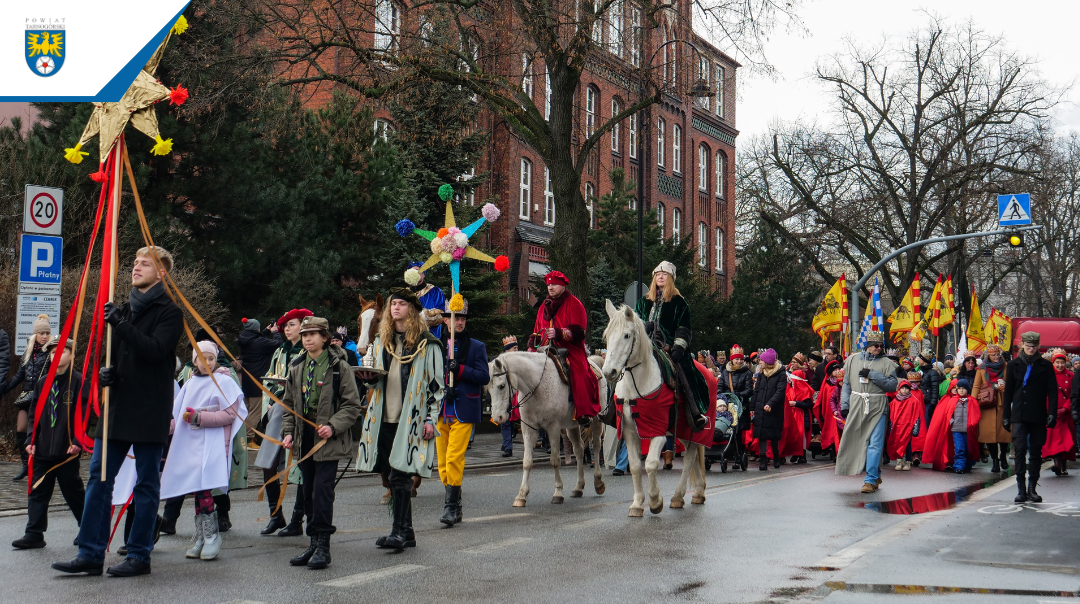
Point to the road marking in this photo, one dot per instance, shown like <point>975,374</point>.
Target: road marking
<point>762,479</point>
<point>586,524</point>
<point>373,575</point>
<point>498,517</point>
<point>849,554</point>
<point>243,602</point>
<point>887,588</point>
<point>497,545</point>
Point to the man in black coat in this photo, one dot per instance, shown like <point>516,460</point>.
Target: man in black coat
<point>1030,407</point>
<point>256,350</point>
<point>931,381</point>
<point>146,330</point>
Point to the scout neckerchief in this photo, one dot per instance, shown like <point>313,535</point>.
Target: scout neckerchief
<point>309,382</point>
<point>54,392</point>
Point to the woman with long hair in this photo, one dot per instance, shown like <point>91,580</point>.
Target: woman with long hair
<point>34,365</point>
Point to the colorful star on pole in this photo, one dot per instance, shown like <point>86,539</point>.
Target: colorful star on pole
<point>450,244</point>
<point>136,106</point>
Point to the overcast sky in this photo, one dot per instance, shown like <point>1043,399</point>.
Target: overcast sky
<point>1045,30</point>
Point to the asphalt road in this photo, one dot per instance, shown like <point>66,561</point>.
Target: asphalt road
<point>794,534</point>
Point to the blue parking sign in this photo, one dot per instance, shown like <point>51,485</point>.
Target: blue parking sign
<point>1014,209</point>
<point>40,259</point>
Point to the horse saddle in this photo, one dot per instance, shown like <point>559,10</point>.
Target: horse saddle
<point>558,356</point>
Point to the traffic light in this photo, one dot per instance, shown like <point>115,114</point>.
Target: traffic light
<point>1016,240</point>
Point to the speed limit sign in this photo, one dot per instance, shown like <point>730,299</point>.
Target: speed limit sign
<point>44,210</point>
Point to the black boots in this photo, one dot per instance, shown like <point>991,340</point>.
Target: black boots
<point>452,506</point>
<point>20,444</point>
<point>1033,496</point>
<point>1021,489</point>
<point>321,558</point>
<point>303,558</point>
<point>295,528</point>
<point>401,535</point>
<point>29,541</point>
<point>168,525</point>
<point>1004,453</point>
<point>277,522</point>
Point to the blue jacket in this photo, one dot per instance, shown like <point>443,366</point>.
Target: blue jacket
<point>469,381</point>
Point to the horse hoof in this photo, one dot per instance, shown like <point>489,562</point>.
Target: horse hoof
<point>677,504</point>
<point>697,499</point>
<point>600,488</point>
<point>636,513</point>
<point>576,494</point>
<point>557,499</point>
<point>657,509</point>
<point>519,503</point>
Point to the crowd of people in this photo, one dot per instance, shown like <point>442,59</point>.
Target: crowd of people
<point>306,398</point>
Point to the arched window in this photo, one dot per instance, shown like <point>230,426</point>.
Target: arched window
<point>592,102</point>
<point>524,192</point>
<point>719,250</point>
<point>615,109</point>
<point>383,129</point>
<point>676,148</point>
<point>660,142</point>
<point>615,27</point>
<point>660,219</point>
<point>721,175</point>
<point>703,244</point>
<point>703,168</point>
<point>676,224</point>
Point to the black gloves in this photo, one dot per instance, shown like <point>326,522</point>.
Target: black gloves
<point>453,366</point>
<point>1051,420</point>
<point>843,413</point>
<point>864,372</point>
<point>113,316</point>
<point>677,353</point>
<point>451,393</point>
<point>1006,424</point>
<point>649,327</point>
<point>107,376</point>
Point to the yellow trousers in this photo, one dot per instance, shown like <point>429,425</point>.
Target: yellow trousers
<point>451,443</point>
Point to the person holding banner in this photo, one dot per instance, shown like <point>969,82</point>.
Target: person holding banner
<point>146,330</point>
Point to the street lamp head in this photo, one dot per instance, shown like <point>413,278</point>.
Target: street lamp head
<point>701,89</point>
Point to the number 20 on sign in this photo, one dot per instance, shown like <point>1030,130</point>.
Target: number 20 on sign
<point>44,210</point>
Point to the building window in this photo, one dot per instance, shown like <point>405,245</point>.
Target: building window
<point>703,168</point>
<point>660,219</point>
<point>590,193</point>
<point>547,95</point>
<point>702,244</point>
<point>635,36</point>
<point>676,224</point>
<point>549,199</point>
<point>676,148</point>
<point>597,26</point>
<point>669,56</point>
<point>704,72</point>
<point>720,91</point>
<point>660,142</point>
<point>387,26</point>
<point>632,130</point>
<point>615,109</point>
<point>525,198</point>
<point>470,49</point>
<point>719,250</point>
<point>721,175</point>
<point>615,26</point>
<point>527,75</point>
<point>383,129</point>
<point>592,98</point>
<point>470,195</point>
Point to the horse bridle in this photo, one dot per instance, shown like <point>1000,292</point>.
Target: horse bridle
<point>531,390</point>
<point>626,368</point>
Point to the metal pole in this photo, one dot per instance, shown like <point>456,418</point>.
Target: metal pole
<point>853,296</point>
<point>642,147</point>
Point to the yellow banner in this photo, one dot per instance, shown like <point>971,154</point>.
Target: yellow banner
<point>976,337</point>
<point>829,317</point>
<point>998,329</point>
<point>906,315</point>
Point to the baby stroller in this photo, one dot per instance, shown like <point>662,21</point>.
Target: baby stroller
<point>727,446</point>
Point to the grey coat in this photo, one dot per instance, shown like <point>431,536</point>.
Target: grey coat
<point>866,405</point>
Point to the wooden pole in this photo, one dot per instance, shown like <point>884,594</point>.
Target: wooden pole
<point>450,352</point>
<point>112,251</point>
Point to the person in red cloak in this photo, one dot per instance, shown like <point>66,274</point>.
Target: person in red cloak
<point>906,422</point>
<point>800,399</point>
<point>827,406</point>
<point>940,447</point>
<point>562,322</point>
<point>1061,438</point>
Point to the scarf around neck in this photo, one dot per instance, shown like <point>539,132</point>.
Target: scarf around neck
<point>139,300</point>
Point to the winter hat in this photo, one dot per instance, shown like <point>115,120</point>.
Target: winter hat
<point>769,356</point>
<point>963,383</point>
<point>832,366</point>
<point>406,294</point>
<point>927,356</point>
<point>252,324</point>
<point>296,313</point>
<point>41,324</point>
<point>204,347</point>
<point>907,361</point>
<point>70,344</point>
<point>557,278</point>
<point>900,384</point>
<point>665,267</point>
<point>736,352</point>
<point>817,358</point>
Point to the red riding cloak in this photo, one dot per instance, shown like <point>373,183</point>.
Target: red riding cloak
<point>1062,437</point>
<point>830,434</point>
<point>938,448</point>
<point>567,313</point>
<point>902,417</point>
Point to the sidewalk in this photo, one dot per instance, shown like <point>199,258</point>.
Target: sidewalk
<point>485,452</point>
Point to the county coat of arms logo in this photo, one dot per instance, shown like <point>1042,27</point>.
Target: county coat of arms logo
<point>45,50</point>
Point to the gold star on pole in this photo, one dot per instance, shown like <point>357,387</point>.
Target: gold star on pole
<point>136,107</point>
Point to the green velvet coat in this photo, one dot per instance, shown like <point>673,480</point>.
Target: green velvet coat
<point>672,318</point>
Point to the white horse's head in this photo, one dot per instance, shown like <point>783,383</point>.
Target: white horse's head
<point>625,339</point>
<point>366,318</point>
<point>500,391</point>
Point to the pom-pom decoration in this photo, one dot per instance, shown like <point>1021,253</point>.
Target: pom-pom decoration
<point>446,192</point>
<point>461,240</point>
<point>446,257</point>
<point>502,263</point>
<point>457,303</point>
<point>436,246</point>
<point>458,253</point>
<point>75,154</point>
<point>443,232</point>
<point>453,230</point>
<point>178,95</point>
<point>491,212</point>
<point>448,244</point>
<point>163,147</point>
<point>180,26</point>
<point>412,277</point>
<point>100,175</point>
<point>405,227</point>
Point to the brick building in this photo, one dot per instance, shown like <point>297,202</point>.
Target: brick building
<point>690,149</point>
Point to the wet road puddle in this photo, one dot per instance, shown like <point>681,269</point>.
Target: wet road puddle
<point>933,502</point>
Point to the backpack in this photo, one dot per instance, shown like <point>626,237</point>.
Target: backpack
<point>358,426</point>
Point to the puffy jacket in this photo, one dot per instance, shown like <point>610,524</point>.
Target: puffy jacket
<point>931,382</point>
<point>33,366</point>
<point>771,390</point>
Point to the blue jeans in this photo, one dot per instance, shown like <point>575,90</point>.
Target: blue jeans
<point>875,448</point>
<point>622,463</point>
<point>507,429</point>
<point>94,532</point>
<point>960,452</point>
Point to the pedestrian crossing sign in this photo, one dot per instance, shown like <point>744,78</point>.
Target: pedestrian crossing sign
<point>1014,209</point>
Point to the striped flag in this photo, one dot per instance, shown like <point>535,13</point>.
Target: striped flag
<point>879,320</point>
<point>873,321</point>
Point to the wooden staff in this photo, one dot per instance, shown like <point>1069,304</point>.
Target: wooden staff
<point>450,352</point>
<point>112,251</point>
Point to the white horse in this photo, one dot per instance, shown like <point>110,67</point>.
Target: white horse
<point>630,363</point>
<point>543,402</point>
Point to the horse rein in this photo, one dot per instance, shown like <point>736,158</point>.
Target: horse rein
<point>630,370</point>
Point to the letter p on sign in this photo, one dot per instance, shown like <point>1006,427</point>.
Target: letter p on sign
<point>38,259</point>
